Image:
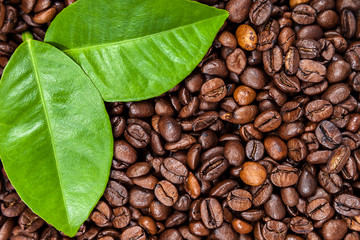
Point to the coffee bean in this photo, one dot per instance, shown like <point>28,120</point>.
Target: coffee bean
<point>169,129</point>
<point>135,232</point>
<point>166,193</point>
<point>140,198</point>
<point>121,217</point>
<point>286,38</point>
<point>318,209</point>
<point>306,185</point>
<point>239,200</point>
<point>260,12</point>
<point>338,159</point>
<point>347,205</point>
<point>328,134</point>
<point>213,168</point>
<point>213,90</point>
<point>234,152</point>
<point>268,121</point>
<point>318,110</point>
<point>253,173</point>
<point>241,226</point>
<point>284,176</point>
<point>275,147</point>
<point>274,230</point>
<point>238,10</point>
<point>211,213</point>
<point>246,37</point>
<point>273,60</point>
<point>174,171</point>
<point>236,61</point>
<point>254,150</point>
<point>337,93</point>
<point>12,206</point>
<point>301,225</point>
<point>311,71</point>
<point>334,229</point>
<point>303,14</point>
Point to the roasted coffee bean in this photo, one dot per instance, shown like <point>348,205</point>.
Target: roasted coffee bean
<point>274,230</point>
<point>266,38</point>
<point>303,14</point>
<point>12,206</point>
<point>185,142</point>
<point>137,136</point>
<point>213,168</point>
<point>318,209</point>
<point>254,150</point>
<point>166,193</point>
<point>173,170</point>
<point>198,228</point>
<point>244,95</point>
<point>169,129</point>
<point>134,232</point>
<point>102,215</point>
<point>301,225</point>
<point>308,48</point>
<point>252,173</point>
<point>268,121</point>
<point>215,67</point>
<point>253,77</point>
<point>234,152</point>
<point>286,38</point>
<point>347,205</point>
<point>247,37</point>
<point>289,196</point>
<point>318,110</point>
<point>327,19</point>
<point>338,71</point>
<point>297,150</point>
<point>338,159</point>
<point>284,176</point>
<point>291,111</point>
<point>289,84</point>
<point>328,134</point>
<point>122,217</point>
<point>331,182</point>
<point>211,213</point>
<point>239,200</point>
<point>140,198</point>
<point>275,147</point>
<point>352,55</point>
<point>238,10</point>
<point>116,194</point>
<point>311,71</point>
<point>334,229</point>
<point>213,90</point>
<point>236,61</point>
<point>306,185</point>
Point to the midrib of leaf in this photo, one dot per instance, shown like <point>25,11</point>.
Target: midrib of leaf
<point>33,61</point>
<point>105,45</point>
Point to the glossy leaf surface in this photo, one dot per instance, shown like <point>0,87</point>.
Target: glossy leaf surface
<point>56,141</point>
<point>135,49</point>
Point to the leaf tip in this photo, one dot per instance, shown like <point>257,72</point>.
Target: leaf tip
<point>27,36</point>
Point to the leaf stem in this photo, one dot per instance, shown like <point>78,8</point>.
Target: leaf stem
<point>27,36</point>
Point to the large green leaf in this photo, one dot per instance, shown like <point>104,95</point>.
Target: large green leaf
<point>56,142</point>
<point>135,49</point>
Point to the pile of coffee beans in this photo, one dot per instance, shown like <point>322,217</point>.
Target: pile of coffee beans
<point>261,141</point>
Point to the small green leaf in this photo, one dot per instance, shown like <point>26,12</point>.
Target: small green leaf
<point>56,141</point>
<point>135,49</point>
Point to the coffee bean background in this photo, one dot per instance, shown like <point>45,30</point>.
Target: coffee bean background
<point>261,141</point>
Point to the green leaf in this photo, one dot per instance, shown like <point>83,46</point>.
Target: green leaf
<point>135,49</point>
<point>56,141</point>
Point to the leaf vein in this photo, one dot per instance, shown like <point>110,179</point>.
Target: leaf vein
<point>37,77</point>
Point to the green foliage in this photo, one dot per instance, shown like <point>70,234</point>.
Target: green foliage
<point>56,140</point>
<point>136,49</point>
